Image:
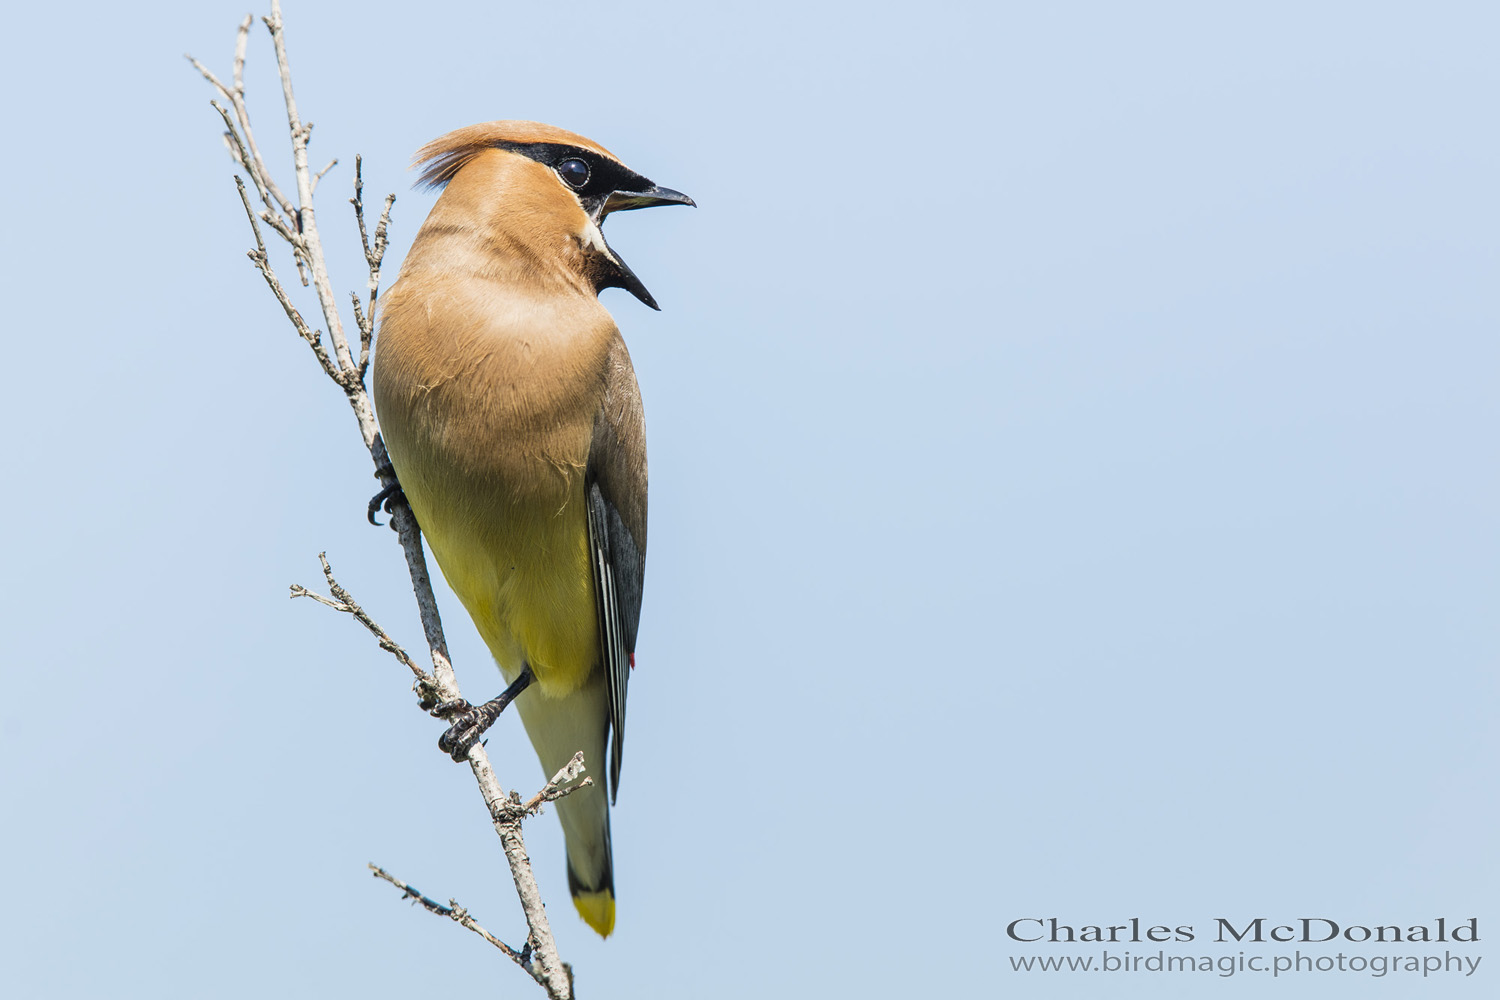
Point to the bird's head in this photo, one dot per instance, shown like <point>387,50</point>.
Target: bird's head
<point>533,185</point>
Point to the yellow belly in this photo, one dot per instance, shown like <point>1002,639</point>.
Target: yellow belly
<point>522,572</point>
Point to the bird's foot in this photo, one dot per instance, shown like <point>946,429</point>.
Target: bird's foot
<point>388,496</point>
<point>469,725</point>
<point>470,722</point>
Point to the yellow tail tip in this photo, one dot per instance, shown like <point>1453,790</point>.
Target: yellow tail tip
<point>597,910</point>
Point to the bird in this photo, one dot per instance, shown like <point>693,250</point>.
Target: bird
<point>514,424</point>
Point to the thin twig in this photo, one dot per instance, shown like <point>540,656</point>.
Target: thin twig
<point>373,256</point>
<point>241,42</point>
<point>342,601</point>
<point>262,261</point>
<point>457,914</point>
<point>241,153</point>
<point>559,785</point>
<point>276,222</point>
<point>305,216</point>
<point>319,175</point>
<point>267,188</point>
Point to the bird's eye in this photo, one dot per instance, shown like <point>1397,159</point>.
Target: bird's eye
<point>574,171</point>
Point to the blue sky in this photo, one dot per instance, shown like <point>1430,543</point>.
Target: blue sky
<point>1073,490</point>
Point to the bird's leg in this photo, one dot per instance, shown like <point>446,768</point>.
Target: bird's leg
<point>471,722</point>
<point>388,495</point>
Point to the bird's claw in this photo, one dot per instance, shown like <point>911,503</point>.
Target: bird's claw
<point>388,497</point>
<point>467,728</point>
<point>470,723</point>
<point>445,709</point>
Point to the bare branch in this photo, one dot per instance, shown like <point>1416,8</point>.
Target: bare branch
<point>209,76</point>
<point>237,149</point>
<point>260,244</point>
<point>262,263</point>
<point>555,789</point>
<point>305,216</point>
<point>241,42</point>
<point>342,601</point>
<point>319,175</point>
<point>460,916</point>
<point>300,591</point>
<point>358,201</point>
<point>373,256</point>
<point>293,239</point>
<point>265,186</point>
<point>361,321</point>
<point>284,231</point>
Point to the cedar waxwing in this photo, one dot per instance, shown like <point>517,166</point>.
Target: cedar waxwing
<point>514,423</point>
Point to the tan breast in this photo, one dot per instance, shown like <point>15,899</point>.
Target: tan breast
<point>489,395</point>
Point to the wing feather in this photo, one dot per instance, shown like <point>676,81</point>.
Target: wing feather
<point>617,536</point>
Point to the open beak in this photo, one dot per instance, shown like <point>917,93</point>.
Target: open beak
<point>624,201</point>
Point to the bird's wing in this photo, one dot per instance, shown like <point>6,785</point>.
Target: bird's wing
<point>617,534</point>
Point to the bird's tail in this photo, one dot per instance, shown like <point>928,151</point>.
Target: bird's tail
<point>591,875</point>
<point>559,728</point>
